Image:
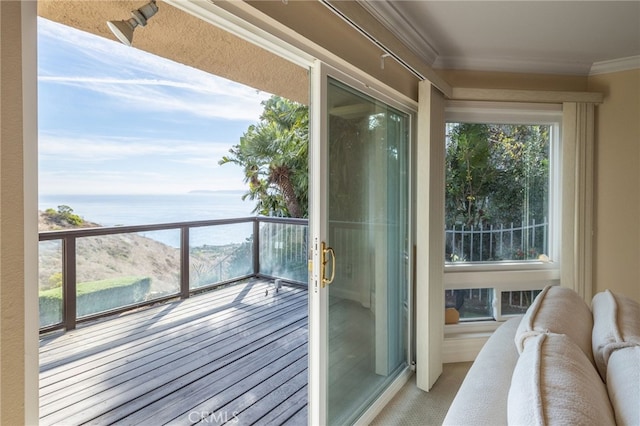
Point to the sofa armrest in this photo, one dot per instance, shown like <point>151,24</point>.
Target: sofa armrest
<point>482,398</point>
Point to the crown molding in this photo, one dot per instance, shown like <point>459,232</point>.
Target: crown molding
<point>390,16</point>
<point>615,65</point>
<point>386,13</point>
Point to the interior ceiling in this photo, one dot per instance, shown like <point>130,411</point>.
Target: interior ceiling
<point>564,37</point>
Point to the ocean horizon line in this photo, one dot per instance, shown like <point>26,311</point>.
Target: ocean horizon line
<point>98,194</point>
<point>142,209</point>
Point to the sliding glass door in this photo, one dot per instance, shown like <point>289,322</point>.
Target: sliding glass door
<point>361,231</point>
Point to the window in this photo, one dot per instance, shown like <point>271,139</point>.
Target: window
<point>497,192</point>
<point>502,206</point>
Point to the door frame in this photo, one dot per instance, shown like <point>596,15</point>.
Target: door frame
<point>246,22</point>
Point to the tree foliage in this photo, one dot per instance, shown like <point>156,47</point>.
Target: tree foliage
<point>496,174</point>
<point>274,156</point>
<point>64,216</point>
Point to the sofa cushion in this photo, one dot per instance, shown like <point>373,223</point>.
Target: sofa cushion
<point>623,384</point>
<point>557,310</point>
<point>616,324</point>
<point>554,383</point>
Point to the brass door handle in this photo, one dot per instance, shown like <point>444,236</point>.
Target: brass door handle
<point>324,250</point>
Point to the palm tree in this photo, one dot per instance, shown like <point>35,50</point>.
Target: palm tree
<point>274,156</point>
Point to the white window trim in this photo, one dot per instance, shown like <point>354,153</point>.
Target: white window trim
<point>429,208</point>
<point>511,275</point>
<point>504,112</point>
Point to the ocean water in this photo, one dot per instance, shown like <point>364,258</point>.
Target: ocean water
<point>118,210</point>
<point>127,209</point>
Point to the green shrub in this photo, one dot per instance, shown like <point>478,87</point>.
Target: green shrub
<point>64,214</point>
<point>55,280</point>
<point>94,297</point>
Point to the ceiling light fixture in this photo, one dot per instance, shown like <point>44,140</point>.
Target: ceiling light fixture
<point>123,30</point>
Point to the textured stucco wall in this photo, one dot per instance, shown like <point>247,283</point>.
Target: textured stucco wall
<point>11,227</point>
<point>18,242</point>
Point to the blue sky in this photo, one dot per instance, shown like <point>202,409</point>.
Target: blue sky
<point>114,119</point>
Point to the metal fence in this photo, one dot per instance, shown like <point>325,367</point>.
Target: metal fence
<point>492,243</point>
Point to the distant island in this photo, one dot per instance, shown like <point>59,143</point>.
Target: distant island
<point>215,191</point>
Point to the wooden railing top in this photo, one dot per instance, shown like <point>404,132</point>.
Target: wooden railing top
<point>127,229</point>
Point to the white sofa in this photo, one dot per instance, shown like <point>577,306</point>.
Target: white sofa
<point>562,363</point>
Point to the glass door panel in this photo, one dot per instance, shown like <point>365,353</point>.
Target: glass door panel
<point>367,225</point>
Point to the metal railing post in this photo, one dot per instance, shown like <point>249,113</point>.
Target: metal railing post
<point>511,246</point>
<point>69,282</point>
<point>256,246</point>
<point>184,262</point>
<point>471,250</point>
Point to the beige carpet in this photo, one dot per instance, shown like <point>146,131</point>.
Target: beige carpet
<point>412,406</point>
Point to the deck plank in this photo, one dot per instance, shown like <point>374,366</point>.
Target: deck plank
<point>82,341</point>
<point>152,349</point>
<point>124,377</point>
<point>163,353</point>
<point>299,418</point>
<point>285,413</point>
<point>273,384</point>
<point>224,385</point>
<point>130,385</point>
<point>282,396</point>
<point>162,364</point>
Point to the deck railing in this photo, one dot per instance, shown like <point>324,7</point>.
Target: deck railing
<point>88,273</point>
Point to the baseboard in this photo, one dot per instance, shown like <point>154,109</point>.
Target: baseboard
<point>463,349</point>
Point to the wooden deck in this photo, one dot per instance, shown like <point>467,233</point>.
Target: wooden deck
<point>234,355</point>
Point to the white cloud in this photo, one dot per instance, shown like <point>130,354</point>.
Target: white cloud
<point>98,148</point>
<point>157,95</point>
<point>202,94</point>
<point>133,182</point>
<point>142,84</point>
<point>119,165</point>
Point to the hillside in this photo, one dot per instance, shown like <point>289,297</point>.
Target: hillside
<point>108,256</point>
<point>47,222</point>
<point>127,255</point>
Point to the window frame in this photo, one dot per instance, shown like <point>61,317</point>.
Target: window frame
<point>513,275</point>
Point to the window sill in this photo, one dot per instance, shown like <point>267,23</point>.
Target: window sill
<point>472,277</point>
<point>532,265</point>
